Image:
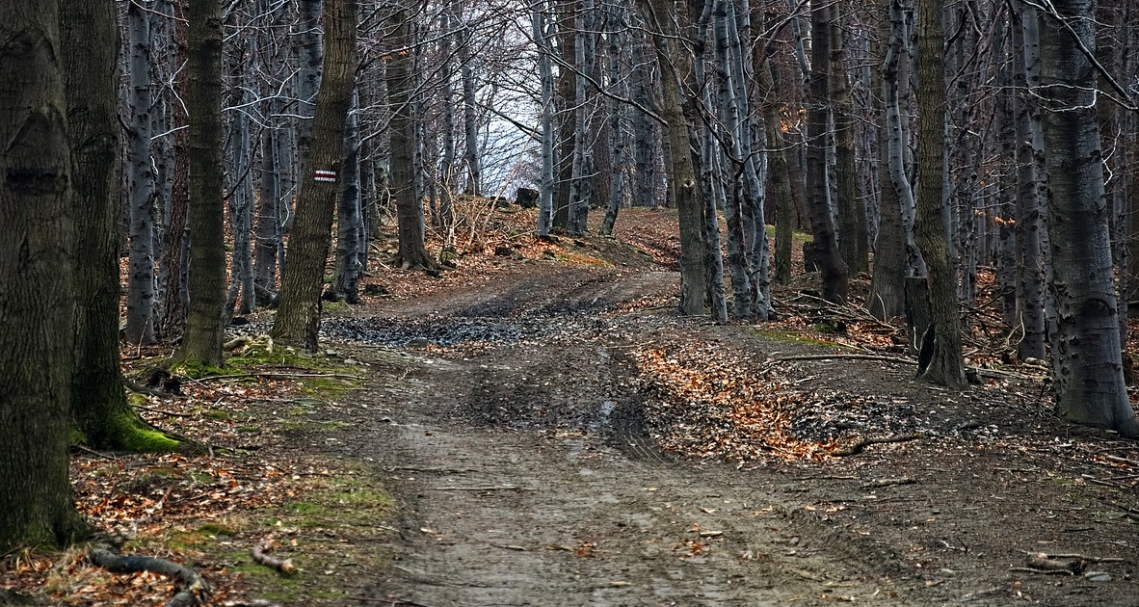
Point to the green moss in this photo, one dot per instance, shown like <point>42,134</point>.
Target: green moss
<point>216,529</point>
<point>796,236</point>
<point>217,414</point>
<point>332,306</point>
<point>135,435</point>
<point>195,369</point>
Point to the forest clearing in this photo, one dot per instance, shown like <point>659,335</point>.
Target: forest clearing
<point>542,428</point>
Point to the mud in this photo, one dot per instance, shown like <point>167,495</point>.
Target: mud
<point>505,421</point>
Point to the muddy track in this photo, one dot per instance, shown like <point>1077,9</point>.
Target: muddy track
<point>525,478</point>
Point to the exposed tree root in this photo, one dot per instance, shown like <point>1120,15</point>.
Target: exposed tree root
<point>192,588</point>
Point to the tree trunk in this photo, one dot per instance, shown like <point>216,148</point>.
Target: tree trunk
<point>37,302</point>
<point>408,195</point>
<point>205,316</point>
<point>825,245</point>
<point>661,17</point>
<point>888,284</point>
<point>546,81</point>
<point>308,50</point>
<point>646,146</point>
<point>617,139</point>
<point>471,157</point>
<point>579,189</point>
<point>854,240</point>
<point>175,257</point>
<point>140,183</point>
<point>567,117</point>
<point>239,185</point>
<point>711,168</point>
<point>298,318</point>
<point>350,221</point>
<point>1029,215</point>
<point>947,365</point>
<point>90,42</point>
<point>1088,368</point>
<point>734,127</point>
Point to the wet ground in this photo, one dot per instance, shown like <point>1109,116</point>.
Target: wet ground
<point>509,421</point>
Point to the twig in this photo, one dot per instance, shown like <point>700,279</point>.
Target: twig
<point>93,452</point>
<point>858,445</point>
<point>1121,460</point>
<point>1041,571</point>
<point>1083,557</point>
<point>888,482</point>
<point>261,557</point>
<point>162,411</point>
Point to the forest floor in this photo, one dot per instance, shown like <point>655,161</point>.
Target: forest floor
<point>539,427</point>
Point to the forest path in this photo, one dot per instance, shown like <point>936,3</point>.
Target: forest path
<point>524,478</point>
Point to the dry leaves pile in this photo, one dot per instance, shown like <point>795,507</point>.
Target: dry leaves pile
<point>706,401</point>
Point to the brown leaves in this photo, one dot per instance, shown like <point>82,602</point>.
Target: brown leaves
<point>711,403</point>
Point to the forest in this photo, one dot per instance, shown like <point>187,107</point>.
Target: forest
<point>183,175</point>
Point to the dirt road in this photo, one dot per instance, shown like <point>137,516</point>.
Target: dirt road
<point>526,479</point>
<point>506,420</point>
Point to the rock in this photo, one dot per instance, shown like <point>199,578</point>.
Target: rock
<point>1097,576</point>
<point>526,198</point>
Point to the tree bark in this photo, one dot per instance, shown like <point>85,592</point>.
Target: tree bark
<point>350,220</point>
<point>37,302</point>
<point>1087,363</point>
<point>854,239</point>
<point>408,194</point>
<point>174,261</point>
<point>947,366</point>
<point>90,43</point>
<point>546,82</point>
<point>825,245</point>
<point>1029,215</point>
<point>298,318</point>
<point>888,283</point>
<point>139,327</point>
<point>205,316</point>
<point>661,17</point>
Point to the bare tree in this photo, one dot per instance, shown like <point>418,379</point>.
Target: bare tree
<point>942,361</point>
<point>298,319</point>
<point>38,298</point>
<point>1086,348</point>
<point>205,316</point>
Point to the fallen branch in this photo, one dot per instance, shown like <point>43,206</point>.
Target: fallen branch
<point>1082,557</point>
<point>261,557</point>
<point>1040,571</point>
<point>1040,561</point>
<point>888,482</point>
<point>858,445</point>
<point>193,589</point>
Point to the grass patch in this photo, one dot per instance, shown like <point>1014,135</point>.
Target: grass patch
<point>796,236</point>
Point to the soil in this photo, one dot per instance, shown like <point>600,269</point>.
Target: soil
<point>532,463</point>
